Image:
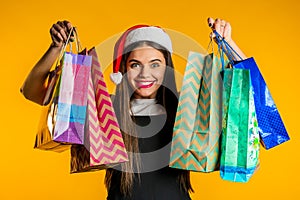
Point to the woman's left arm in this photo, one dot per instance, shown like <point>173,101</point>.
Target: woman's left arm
<point>224,29</point>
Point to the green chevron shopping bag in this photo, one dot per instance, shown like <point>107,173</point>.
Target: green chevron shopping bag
<point>195,143</point>
<point>240,137</point>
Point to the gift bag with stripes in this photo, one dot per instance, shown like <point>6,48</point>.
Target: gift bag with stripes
<point>104,146</point>
<point>197,129</point>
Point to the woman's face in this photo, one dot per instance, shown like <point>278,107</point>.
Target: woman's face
<point>145,71</point>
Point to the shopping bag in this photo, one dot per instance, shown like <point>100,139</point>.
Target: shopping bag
<point>44,137</point>
<point>271,127</point>
<point>72,99</point>
<point>197,129</point>
<point>104,146</point>
<point>56,114</point>
<point>53,80</point>
<point>240,137</point>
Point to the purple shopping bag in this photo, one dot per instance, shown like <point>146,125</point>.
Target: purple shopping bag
<point>72,99</point>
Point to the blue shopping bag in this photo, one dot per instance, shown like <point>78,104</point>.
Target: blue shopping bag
<point>270,125</point>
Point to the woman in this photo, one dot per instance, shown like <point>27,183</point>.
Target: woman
<point>145,104</point>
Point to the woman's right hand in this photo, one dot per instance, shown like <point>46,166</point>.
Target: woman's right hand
<point>59,33</point>
<point>33,87</point>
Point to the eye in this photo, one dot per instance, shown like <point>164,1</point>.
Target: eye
<point>155,65</point>
<point>135,65</point>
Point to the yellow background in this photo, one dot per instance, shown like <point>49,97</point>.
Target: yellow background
<point>267,30</point>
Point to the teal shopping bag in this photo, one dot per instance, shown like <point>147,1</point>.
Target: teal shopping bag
<point>240,137</point>
<point>197,127</point>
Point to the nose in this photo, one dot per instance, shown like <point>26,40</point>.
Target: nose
<point>145,72</point>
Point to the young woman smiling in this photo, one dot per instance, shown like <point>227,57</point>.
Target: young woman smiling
<point>145,103</point>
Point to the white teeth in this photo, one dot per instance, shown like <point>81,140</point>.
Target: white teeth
<point>146,83</point>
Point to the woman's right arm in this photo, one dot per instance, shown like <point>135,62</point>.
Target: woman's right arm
<point>33,87</point>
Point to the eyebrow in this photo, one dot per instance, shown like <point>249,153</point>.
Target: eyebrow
<point>154,60</point>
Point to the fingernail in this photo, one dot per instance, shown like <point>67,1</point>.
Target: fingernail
<point>210,24</point>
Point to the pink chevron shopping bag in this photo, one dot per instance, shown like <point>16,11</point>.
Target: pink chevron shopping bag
<point>104,145</point>
<point>197,128</point>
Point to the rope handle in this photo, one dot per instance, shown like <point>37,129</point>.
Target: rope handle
<point>77,42</point>
<point>65,44</point>
<point>231,54</point>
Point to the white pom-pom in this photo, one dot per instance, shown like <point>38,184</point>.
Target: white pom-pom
<point>116,77</point>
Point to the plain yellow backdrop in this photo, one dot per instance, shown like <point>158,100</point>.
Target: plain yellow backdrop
<point>267,30</point>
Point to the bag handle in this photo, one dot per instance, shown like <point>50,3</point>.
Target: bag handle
<point>230,53</point>
<point>53,76</point>
<point>221,48</point>
<point>210,45</point>
<point>65,44</point>
<point>77,42</point>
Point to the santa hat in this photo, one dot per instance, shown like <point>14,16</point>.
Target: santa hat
<point>136,34</point>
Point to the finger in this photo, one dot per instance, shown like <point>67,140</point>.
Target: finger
<point>63,30</point>
<point>69,28</point>
<point>60,28</point>
<point>227,31</point>
<point>210,22</point>
<point>56,41</point>
<point>217,26</point>
<point>68,25</point>
<point>56,36</point>
<point>222,27</point>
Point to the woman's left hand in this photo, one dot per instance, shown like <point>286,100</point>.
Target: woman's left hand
<point>224,29</point>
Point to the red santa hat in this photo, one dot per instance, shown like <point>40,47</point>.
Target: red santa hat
<point>136,34</point>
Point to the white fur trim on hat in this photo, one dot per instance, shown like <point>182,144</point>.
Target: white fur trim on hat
<point>116,78</point>
<point>151,33</point>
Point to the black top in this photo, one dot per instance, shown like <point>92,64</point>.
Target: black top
<point>157,181</point>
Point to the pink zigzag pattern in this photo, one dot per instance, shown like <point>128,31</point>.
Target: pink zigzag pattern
<point>117,156</point>
<point>105,110</point>
<point>109,148</point>
<point>113,149</point>
<point>94,128</point>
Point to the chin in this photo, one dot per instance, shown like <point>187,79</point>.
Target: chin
<point>145,95</point>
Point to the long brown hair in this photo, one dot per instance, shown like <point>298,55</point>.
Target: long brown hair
<point>166,96</point>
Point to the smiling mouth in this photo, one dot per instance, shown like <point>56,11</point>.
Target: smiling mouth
<point>144,84</point>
